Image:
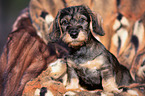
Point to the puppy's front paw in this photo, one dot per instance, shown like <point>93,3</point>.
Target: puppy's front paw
<point>70,93</point>
<point>116,90</point>
<point>74,84</point>
<point>111,92</point>
<point>110,85</point>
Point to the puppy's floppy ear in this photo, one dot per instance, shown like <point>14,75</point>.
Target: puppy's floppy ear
<point>95,23</point>
<point>55,31</point>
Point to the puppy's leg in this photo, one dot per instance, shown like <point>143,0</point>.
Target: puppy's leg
<point>108,80</point>
<point>72,84</point>
<point>73,81</point>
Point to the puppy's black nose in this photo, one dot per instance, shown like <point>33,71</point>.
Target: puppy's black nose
<point>74,34</point>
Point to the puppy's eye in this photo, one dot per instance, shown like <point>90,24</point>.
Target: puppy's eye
<point>81,20</point>
<point>64,22</point>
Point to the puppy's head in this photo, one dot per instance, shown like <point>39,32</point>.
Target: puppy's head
<point>74,24</point>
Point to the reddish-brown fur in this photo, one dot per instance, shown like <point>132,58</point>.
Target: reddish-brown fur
<point>24,57</point>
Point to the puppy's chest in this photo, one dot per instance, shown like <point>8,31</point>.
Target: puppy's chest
<point>87,63</point>
<point>88,70</point>
<point>86,57</point>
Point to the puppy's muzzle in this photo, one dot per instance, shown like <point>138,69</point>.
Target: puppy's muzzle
<point>74,33</point>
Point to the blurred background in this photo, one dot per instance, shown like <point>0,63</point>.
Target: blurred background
<point>9,10</point>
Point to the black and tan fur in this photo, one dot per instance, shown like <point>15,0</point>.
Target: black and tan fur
<point>88,60</point>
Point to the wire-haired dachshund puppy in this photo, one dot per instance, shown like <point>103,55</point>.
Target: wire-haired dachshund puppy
<point>88,60</point>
